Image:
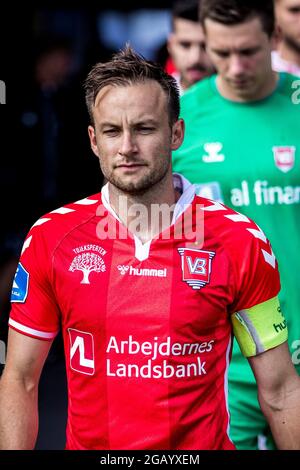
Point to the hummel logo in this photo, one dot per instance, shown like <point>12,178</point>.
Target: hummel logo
<point>123,269</point>
<point>142,271</point>
<point>213,149</point>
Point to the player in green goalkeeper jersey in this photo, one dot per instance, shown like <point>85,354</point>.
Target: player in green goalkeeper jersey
<point>242,146</point>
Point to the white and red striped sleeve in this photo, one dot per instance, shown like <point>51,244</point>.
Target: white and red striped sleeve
<point>34,311</point>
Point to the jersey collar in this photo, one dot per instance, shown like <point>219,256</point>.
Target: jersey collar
<point>186,189</point>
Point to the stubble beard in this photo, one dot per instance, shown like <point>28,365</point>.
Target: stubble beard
<point>143,185</point>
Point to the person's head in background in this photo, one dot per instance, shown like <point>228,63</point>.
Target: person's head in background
<point>53,62</point>
<point>186,44</point>
<point>287,13</point>
<point>239,40</point>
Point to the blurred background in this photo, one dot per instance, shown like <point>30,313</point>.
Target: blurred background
<point>46,51</point>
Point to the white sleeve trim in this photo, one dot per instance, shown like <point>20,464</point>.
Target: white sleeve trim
<point>31,331</point>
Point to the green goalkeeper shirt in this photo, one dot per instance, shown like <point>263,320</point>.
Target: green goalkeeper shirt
<point>247,155</point>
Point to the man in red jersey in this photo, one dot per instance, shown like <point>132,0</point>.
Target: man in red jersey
<point>147,282</point>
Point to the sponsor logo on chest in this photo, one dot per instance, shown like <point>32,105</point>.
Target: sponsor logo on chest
<point>125,269</point>
<point>284,157</point>
<point>81,351</point>
<point>88,259</point>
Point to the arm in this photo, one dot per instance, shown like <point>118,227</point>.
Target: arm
<point>19,391</point>
<point>279,394</point>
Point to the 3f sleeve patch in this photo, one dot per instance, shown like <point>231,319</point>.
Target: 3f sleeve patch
<point>20,285</point>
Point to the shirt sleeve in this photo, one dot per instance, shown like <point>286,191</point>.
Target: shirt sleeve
<point>34,311</point>
<point>257,319</point>
<point>255,270</point>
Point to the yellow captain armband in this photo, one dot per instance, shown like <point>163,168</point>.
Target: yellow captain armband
<point>260,328</point>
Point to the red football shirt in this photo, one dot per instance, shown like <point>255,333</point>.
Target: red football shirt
<point>147,330</point>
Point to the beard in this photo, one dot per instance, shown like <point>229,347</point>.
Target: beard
<point>142,185</point>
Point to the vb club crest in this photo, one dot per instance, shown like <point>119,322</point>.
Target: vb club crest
<point>196,266</point>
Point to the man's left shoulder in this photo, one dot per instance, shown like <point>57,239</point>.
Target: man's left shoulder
<point>230,226</point>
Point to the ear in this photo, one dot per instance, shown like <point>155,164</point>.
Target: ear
<point>177,134</point>
<point>93,140</point>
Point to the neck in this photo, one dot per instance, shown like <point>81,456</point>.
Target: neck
<point>288,53</point>
<point>266,89</point>
<point>141,213</point>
